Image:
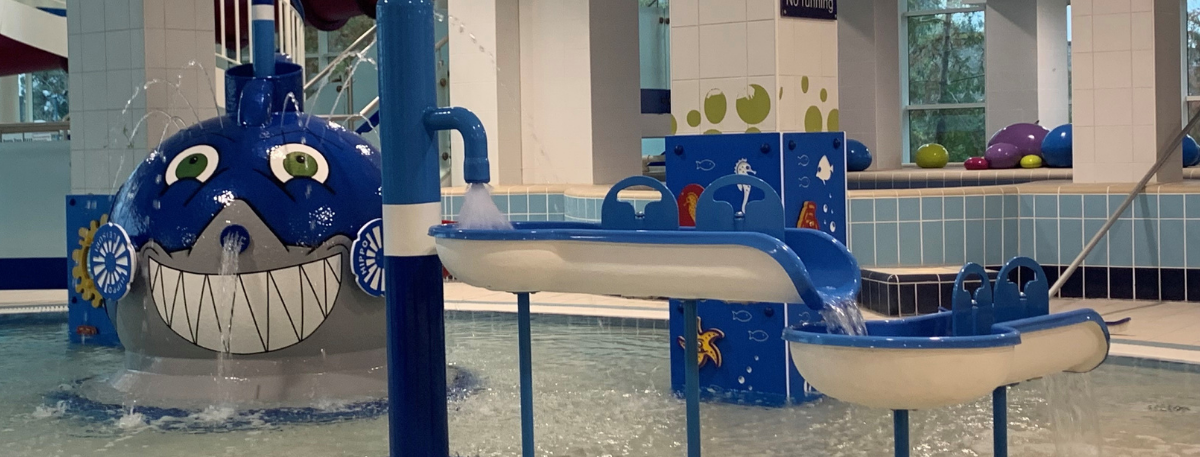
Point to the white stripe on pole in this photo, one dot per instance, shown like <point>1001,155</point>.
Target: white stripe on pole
<point>264,13</point>
<point>406,229</point>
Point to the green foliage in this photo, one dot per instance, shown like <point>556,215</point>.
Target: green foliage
<point>49,91</point>
<point>946,67</point>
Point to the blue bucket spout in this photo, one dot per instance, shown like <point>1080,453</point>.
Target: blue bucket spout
<point>251,99</point>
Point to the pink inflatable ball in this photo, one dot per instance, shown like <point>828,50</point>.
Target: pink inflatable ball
<point>1026,137</point>
<point>1003,155</point>
<point>976,163</point>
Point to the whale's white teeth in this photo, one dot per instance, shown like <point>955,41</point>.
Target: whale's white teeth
<point>246,313</point>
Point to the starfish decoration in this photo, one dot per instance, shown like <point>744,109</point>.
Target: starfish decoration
<point>706,344</point>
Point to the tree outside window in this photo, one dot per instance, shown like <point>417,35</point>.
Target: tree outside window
<point>48,91</point>
<point>944,77</point>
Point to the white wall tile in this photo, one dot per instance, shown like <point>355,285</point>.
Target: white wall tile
<point>74,25</point>
<point>1142,30</point>
<point>1143,109</point>
<point>685,52</point>
<point>155,55</point>
<point>118,49</point>
<point>1113,70</point>
<point>1114,144</point>
<point>91,16</point>
<point>722,11</point>
<point>137,15</point>
<point>1142,68</point>
<point>761,9</point>
<point>181,14</point>
<point>1084,144</point>
<point>1081,32</point>
<point>1114,107</point>
<point>116,14</point>
<point>723,50</point>
<point>94,85</point>
<point>1110,6</point>
<point>137,48</point>
<point>760,48</point>
<point>119,88</point>
<point>93,52</point>
<point>1081,7</point>
<point>179,39</point>
<point>1083,107</point>
<point>154,13</point>
<point>1111,32</point>
<point>685,13</point>
<point>1082,70</point>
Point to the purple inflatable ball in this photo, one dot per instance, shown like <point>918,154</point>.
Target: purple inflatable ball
<point>1003,155</point>
<point>1026,137</point>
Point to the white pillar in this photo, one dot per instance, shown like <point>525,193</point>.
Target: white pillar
<point>869,82</point>
<point>116,46</point>
<point>485,59</point>
<point>1011,63</point>
<point>726,50</point>
<point>1128,93</point>
<point>1053,77</point>
<point>10,100</point>
<point>580,94</point>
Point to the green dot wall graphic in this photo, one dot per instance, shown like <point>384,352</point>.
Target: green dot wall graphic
<point>693,118</point>
<point>755,106</point>
<point>715,106</point>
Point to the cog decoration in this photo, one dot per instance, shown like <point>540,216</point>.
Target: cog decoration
<point>84,285</point>
<point>111,261</point>
<point>366,257</point>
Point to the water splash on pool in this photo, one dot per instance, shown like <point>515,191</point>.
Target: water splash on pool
<point>479,212</point>
<point>1073,415</point>
<point>842,315</point>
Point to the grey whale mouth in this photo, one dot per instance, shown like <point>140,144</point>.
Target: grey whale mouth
<point>246,313</point>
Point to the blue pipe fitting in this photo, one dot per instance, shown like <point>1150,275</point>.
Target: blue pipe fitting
<point>476,169</point>
<point>263,29</point>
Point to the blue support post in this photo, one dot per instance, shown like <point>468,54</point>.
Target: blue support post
<point>525,348</point>
<point>900,432</point>
<point>416,345</point>
<point>691,370</point>
<point>263,29</point>
<point>1000,421</point>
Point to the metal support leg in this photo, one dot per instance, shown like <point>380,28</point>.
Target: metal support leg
<point>1000,421</point>
<point>523,335</point>
<point>900,432</point>
<point>691,383</point>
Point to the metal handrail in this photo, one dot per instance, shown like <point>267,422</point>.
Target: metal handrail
<point>1163,155</point>
<point>35,127</point>
<point>340,57</point>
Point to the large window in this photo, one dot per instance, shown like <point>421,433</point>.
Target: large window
<point>944,76</point>
<point>1192,62</point>
<point>43,96</point>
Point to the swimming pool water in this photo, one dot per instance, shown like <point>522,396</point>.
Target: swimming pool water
<point>600,390</point>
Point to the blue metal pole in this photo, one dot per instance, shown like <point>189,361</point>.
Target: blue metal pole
<point>416,345</point>
<point>263,29</point>
<point>1000,421</point>
<point>691,376</point>
<point>525,344</point>
<point>900,432</point>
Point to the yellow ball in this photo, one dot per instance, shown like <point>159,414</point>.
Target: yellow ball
<point>1031,161</point>
<point>932,155</point>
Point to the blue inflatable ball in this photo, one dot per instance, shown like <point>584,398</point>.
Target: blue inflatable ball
<point>1056,148</point>
<point>1191,152</point>
<point>858,157</point>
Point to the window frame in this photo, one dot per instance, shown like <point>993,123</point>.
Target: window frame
<point>905,106</point>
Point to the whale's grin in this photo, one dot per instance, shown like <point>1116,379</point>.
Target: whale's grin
<point>246,313</point>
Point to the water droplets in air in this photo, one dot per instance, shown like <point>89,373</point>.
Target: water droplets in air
<point>842,316</point>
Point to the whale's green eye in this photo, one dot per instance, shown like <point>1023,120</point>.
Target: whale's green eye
<point>191,167</point>
<point>300,164</point>
<point>295,160</point>
<point>197,162</point>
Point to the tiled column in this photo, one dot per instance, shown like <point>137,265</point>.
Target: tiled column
<point>485,54</point>
<point>1053,56</point>
<point>1012,71</point>
<point>1128,95</point>
<point>114,48</point>
<point>738,66</point>
<point>9,99</point>
<point>869,82</point>
<point>580,100</point>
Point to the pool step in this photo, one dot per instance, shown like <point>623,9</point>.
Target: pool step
<point>909,291</point>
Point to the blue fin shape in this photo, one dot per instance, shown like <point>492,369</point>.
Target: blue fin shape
<point>660,215</point>
<point>972,315</point>
<point>763,216</point>
<point>1011,304</point>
